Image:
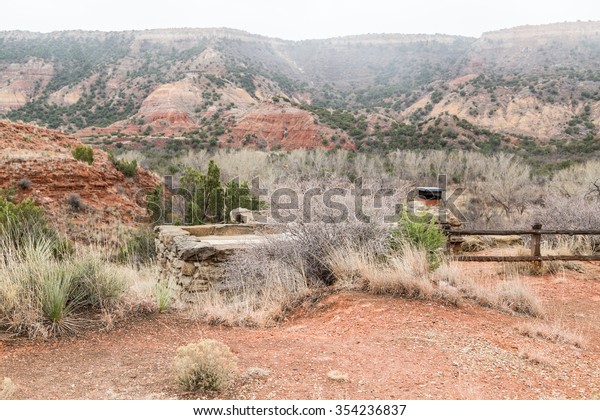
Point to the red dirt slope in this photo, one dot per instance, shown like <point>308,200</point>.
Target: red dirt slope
<point>44,157</point>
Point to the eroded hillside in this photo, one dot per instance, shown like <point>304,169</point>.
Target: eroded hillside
<point>532,88</point>
<point>79,197</point>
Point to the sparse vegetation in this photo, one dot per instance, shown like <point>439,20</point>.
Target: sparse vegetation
<point>24,225</point>
<point>75,202</point>
<point>388,128</point>
<point>127,168</point>
<point>45,284</point>
<point>165,296</point>
<point>24,183</point>
<point>42,296</point>
<point>207,365</point>
<point>423,232</point>
<point>555,332</point>
<point>518,296</point>
<point>269,280</point>
<point>84,154</point>
<point>139,247</point>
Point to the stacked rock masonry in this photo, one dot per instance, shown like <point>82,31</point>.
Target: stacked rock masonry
<point>192,258</point>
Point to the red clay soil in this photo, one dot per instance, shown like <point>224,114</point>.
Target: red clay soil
<point>390,348</point>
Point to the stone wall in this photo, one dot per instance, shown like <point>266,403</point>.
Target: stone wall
<point>192,258</point>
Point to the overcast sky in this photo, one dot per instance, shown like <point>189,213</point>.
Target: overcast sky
<point>294,20</point>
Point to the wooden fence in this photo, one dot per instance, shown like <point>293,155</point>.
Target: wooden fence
<point>536,256</point>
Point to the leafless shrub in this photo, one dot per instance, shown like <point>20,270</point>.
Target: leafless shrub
<point>578,181</point>
<point>312,243</point>
<point>75,202</point>
<point>259,291</point>
<point>24,183</point>
<point>266,281</point>
<point>564,212</point>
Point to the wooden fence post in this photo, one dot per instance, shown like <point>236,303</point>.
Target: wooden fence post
<point>536,241</point>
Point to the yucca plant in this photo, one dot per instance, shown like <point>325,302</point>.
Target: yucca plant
<point>164,295</point>
<point>98,284</point>
<point>59,299</point>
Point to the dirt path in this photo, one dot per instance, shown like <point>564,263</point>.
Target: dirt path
<point>390,348</point>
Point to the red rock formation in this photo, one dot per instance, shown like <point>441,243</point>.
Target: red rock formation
<point>270,125</point>
<point>18,81</point>
<point>44,157</point>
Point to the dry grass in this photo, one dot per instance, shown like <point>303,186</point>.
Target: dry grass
<point>207,365</point>
<point>534,356</point>
<point>41,296</point>
<point>407,274</point>
<point>258,295</point>
<point>517,296</point>
<point>555,332</point>
<point>480,292</point>
<point>350,266</point>
<point>257,373</point>
<point>263,284</point>
<point>562,247</point>
<point>267,281</point>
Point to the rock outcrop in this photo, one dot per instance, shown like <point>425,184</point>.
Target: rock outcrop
<point>44,158</point>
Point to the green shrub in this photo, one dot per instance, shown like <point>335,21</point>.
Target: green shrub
<point>127,168</point>
<point>84,154</point>
<point>207,365</point>
<point>23,223</point>
<point>210,201</point>
<point>422,232</point>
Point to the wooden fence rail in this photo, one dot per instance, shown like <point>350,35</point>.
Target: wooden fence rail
<point>536,256</point>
